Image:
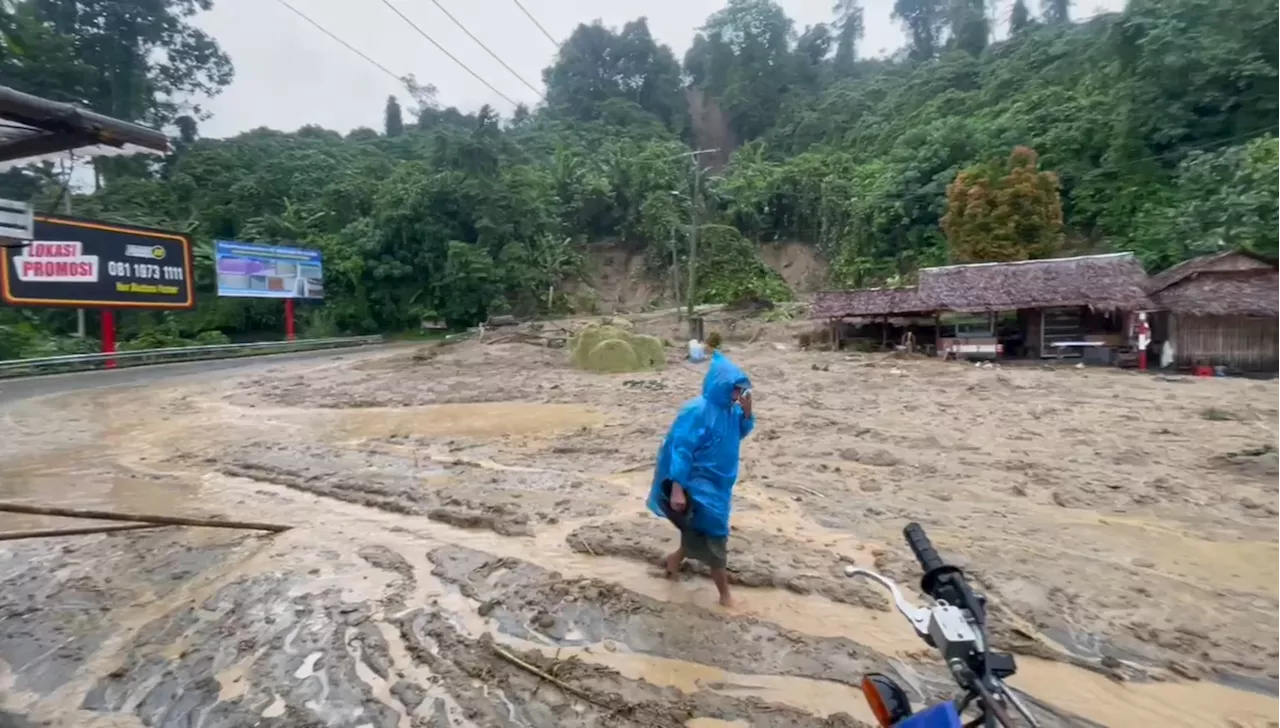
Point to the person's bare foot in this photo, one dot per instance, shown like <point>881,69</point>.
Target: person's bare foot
<point>727,601</point>
<point>674,562</point>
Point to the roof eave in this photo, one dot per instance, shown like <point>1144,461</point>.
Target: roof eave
<point>68,127</point>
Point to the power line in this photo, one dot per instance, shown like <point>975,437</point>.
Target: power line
<point>439,47</point>
<point>399,79</point>
<point>519,78</point>
<point>534,20</point>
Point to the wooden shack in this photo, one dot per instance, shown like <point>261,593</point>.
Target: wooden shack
<point>886,314</point>
<point>1218,310</point>
<point>1085,300</point>
<point>1033,308</point>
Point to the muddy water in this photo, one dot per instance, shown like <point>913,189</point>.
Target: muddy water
<point>463,420</point>
<point>134,472</point>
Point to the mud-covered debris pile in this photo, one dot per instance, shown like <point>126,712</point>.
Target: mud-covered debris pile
<point>615,347</point>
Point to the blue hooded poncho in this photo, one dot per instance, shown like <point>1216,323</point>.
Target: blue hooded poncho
<point>701,449</point>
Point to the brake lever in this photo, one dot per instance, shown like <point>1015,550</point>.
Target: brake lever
<point>917,616</point>
<point>1017,704</point>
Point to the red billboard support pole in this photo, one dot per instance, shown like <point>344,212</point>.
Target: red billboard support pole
<point>109,336</point>
<point>288,319</point>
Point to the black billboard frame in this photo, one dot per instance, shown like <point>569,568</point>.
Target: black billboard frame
<point>188,265</point>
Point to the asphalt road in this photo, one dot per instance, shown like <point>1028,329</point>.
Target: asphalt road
<point>13,390</point>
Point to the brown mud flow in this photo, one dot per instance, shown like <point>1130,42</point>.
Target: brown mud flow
<point>472,549</point>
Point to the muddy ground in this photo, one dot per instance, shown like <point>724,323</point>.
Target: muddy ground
<point>469,516</point>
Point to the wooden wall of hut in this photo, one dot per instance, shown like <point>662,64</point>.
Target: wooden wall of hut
<point>1029,323</point>
<point>1243,343</point>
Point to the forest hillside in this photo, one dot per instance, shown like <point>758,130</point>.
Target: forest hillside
<point>1151,130</point>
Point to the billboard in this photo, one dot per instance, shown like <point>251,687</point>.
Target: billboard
<point>267,271</point>
<point>82,263</point>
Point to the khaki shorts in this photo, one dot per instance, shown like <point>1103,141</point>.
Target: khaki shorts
<point>712,551</point>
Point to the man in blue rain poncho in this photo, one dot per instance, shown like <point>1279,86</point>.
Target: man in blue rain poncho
<point>697,467</point>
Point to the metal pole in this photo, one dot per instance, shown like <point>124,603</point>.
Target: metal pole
<point>66,209</point>
<point>675,273</point>
<point>288,319</point>
<point>693,242</point>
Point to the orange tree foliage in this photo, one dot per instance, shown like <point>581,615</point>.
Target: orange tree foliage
<point>1003,212</point>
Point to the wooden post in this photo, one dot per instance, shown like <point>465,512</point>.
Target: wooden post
<point>141,518</point>
<point>55,532</point>
<point>937,333</point>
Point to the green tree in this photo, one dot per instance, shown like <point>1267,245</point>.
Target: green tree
<point>147,59</point>
<point>1056,11</point>
<point>849,31</point>
<point>1019,17</point>
<point>812,49</point>
<point>393,119</point>
<point>1221,200</point>
<point>924,21</point>
<point>741,57</point>
<point>468,285</point>
<point>1002,214</point>
<point>596,65</point>
<point>969,26</point>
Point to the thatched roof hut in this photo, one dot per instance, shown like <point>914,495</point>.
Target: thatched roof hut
<point>1107,282</point>
<point>869,302</point>
<point>1219,310</point>
<point>1232,283</point>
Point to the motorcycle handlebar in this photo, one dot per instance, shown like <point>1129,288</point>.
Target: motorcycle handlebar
<point>920,545</point>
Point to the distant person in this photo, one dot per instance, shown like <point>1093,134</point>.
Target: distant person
<point>697,351</point>
<point>698,466</point>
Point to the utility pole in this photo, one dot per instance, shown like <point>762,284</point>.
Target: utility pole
<point>693,230</point>
<point>675,273</point>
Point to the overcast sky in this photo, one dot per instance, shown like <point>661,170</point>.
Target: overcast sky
<point>289,74</point>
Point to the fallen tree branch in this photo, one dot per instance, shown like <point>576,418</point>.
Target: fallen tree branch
<point>538,672</point>
<point>141,518</point>
<point>54,532</point>
<point>810,491</point>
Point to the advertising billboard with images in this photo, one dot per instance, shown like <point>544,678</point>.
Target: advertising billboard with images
<point>267,271</point>
<point>82,263</point>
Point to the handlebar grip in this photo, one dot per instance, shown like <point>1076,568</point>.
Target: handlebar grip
<point>922,548</point>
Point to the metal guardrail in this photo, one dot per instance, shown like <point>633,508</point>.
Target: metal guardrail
<point>179,353</point>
